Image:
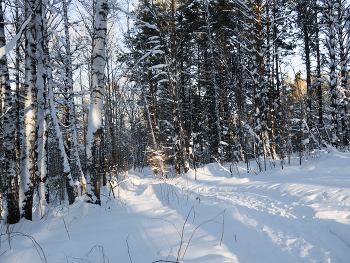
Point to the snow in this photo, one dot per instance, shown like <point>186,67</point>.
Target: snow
<point>12,43</point>
<point>295,214</point>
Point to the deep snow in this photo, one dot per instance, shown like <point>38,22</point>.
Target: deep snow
<point>295,214</point>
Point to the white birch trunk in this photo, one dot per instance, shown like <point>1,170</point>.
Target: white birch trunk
<point>41,111</point>
<point>95,129</point>
<point>9,119</point>
<point>28,164</point>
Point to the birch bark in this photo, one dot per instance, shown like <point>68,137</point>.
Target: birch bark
<point>28,164</point>
<point>41,128</point>
<point>9,119</point>
<point>95,128</point>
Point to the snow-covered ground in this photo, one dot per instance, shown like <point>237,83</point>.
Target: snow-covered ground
<point>295,214</point>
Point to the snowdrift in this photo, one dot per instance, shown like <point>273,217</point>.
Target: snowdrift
<point>298,214</point>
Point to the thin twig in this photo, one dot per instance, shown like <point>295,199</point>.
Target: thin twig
<point>127,244</point>
<point>38,248</point>
<point>223,226</point>
<point>182,234</point>
<point>80,259</point>
<point>183,230</point>
<point>103,252</point>
<point>111,189</point>
<point>106,196</point>
<point>65,226</point>
<point>2,253</point>
<point>164,261</point>
<point>170,223</point>
<point>210,220</point>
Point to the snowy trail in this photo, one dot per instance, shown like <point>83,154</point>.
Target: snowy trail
<point>303,217</point>
<point>298,214</point>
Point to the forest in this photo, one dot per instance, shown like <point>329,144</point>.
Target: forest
<point>91,89</point>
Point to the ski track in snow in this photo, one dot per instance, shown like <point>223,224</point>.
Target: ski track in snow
<point>298,214</point>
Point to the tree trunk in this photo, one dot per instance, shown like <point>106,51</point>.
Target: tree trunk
<point>308,65</point>
<point>41,128</point>
<point>95,129</point>
<point>28,163</point>
<point>9,140</point>
<point>319,86</point>
<point>343,37</point>
<point>331,44</point>
<point>67,177</point>
<point>74,157</point>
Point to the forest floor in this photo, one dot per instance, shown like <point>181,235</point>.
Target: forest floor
<point>295,214</point>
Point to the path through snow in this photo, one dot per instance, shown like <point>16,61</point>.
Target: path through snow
<point>298,214</point>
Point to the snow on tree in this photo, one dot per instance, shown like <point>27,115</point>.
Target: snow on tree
<point>26,189</point>
<point>9,123</point>
<point>95,128</point>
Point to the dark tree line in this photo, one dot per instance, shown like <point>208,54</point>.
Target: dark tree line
<point>213,83</point>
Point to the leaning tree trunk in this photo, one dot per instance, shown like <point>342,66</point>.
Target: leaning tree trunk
<point>67,177</point>
<point>66,168</point>
<point>9,119</point>
<point>95,128</point>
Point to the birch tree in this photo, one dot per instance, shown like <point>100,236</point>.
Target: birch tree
<point>41,129</point>
<point>95,128</point>
<point>28,161</point>
<point>9,122</point>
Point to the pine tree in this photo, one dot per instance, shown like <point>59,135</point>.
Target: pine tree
<point>306,19</point>
<point>330,19</point>
<point>343,38</point>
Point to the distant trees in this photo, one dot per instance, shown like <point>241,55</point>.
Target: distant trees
<point>228,69</point>
<point>220,84</point>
